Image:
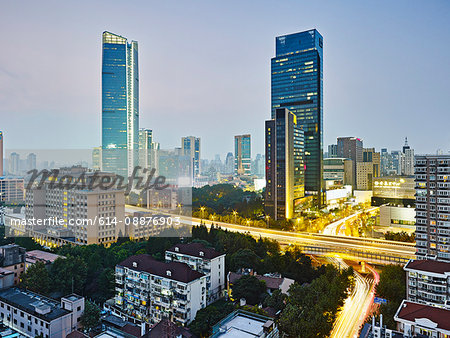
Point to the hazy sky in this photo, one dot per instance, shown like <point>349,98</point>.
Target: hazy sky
<point>205,69</point>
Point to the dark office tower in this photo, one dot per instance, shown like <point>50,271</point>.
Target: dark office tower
<point>297,77</point>
<point>352,148</point>
<point>242,155</point>
<point>285,176</point>
<point>120,104</point>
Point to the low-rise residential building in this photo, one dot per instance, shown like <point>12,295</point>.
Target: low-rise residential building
<point>419,320</point>
<point>205,260</point>
<point>32,314</point>
<point>428,282</point>
<point>12,258</point>
<point>245,324</point>
<point>150,290</point>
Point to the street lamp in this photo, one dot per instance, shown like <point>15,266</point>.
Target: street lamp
<point>202,209</point>
<point>267,219</point>
<point>179,206</point>
<point>235,214</point>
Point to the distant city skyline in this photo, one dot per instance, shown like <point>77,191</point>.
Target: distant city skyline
<point>205,71</point>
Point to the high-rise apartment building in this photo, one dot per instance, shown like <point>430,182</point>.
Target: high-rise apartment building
<point>242,155</point>
<point>190,147</point>
<point>432,174</point>
<point>120,104</point>
<point>148,150</point>
<point>1,153</point>
<point>284,165</point>
<point>297,84</point>
<point>229,164</point>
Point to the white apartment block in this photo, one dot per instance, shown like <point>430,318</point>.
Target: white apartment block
<point>32,314</point>
<point>148,290</point>
<point>92,215</point>
<point>432,176</point>
<point>205,260</point>
<point>428,282</point>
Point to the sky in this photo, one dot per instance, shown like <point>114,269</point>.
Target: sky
<point>204,70</point>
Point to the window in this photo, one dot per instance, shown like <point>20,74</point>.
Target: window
<point>79,308</point>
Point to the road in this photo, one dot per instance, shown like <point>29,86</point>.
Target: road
<point>366,245</point>
<point>356,306</point>
<point>335,227</point>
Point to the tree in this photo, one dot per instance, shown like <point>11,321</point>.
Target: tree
<point>244,258</point>
<point>207,317</point>
<point>37,278</point>
<point>91,316</point>
<point>250,288</point>
<point>276,300</point>
<point>392,287</point>
<point>311,310</point>
<point>69,275</point>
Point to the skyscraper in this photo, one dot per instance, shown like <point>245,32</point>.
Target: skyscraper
<point>190,146</point>
<point>120,104</point>
<point>284,165</point>
<point>297,77</point>
<point>14,163</point>
<point>31,161</point>
<point>242,155</point>
<point>352,148</point>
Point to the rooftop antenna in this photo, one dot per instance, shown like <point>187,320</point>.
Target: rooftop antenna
<point>406,141</point>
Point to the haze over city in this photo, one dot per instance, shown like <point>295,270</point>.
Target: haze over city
<point>205,70</point>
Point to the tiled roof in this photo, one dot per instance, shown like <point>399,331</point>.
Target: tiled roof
<point>411,311</point>
<point>194,249</point>
<point>177,271</point>
<point>271,282</point>
<point>429,266</point>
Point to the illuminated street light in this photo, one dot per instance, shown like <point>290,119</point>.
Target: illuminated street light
<point>235,214</point>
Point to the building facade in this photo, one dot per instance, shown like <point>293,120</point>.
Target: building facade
<point>120,104</point>
<point>12,190</point>
<point>337,171</point>
<point>351,148</point>
<point>368,169</point>
<point>34,315</point>
<point>432,174</point>
<point>242,155</point>
<point>297,85</point>
<point>89,213</point>
<point>149,290</point>
<point>204,260</point>
<point>190,147</point>
<point>284,165</point>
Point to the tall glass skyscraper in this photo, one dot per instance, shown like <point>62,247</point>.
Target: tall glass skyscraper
<point>297,77</point>
<point>120,104</point>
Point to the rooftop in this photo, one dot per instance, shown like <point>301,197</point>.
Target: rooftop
<point>39,306</point>
<point>422,315</point>
<point>242,324</point>
<point>173,270</point>
<point>428,265</point>
<point>195,249</point>
<point>39,255</point>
